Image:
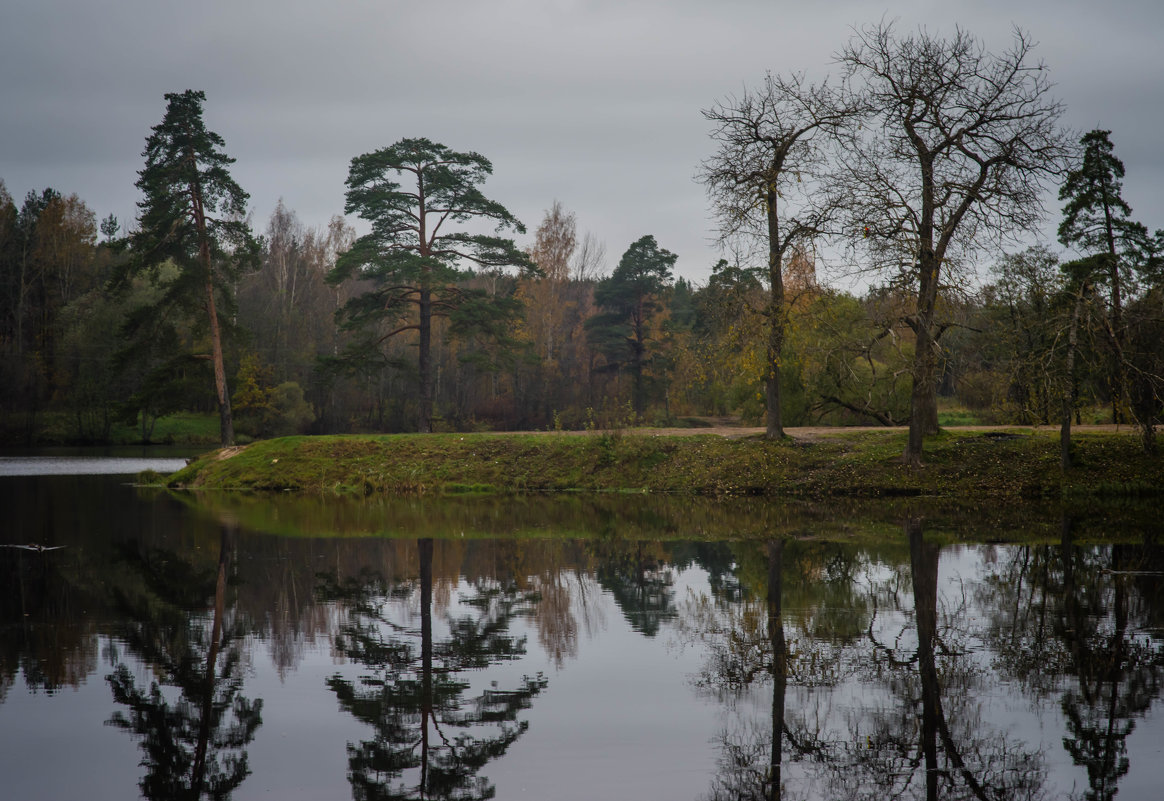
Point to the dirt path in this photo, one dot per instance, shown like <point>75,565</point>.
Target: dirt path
<point>809,433</point>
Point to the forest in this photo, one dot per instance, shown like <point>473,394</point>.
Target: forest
<point>923,171</point>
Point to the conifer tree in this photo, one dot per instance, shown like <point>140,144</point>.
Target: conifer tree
<point>425,235</point>
<point>628,298</point>
<point>192,214</point>
<point>1097,222</point>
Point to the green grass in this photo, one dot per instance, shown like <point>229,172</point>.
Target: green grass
<point>58,428</point>
<point>184,428</point>
<point>959,417</point>
<point>1018,465</point>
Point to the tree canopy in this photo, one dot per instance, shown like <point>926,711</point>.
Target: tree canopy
<point>629,298</point>
<point>425,236</point>
<point>954,151</point>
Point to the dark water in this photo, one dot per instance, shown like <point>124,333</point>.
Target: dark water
<point>304,648</point>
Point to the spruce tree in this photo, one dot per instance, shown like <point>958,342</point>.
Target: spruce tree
<point>1097,223</point>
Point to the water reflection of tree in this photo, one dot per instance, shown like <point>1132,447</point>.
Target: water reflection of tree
<point>48,607</point>
<point>930,739</point>
<point>194,743</point>
<point>559,573</point>
<point>638,576</point>
<point>893,709</point>
<point>749,766</point>
<point>414,696</point>
<point>743,623</point>
<point>1075,620</point>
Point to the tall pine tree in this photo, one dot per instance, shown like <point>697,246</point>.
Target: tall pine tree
<point>425,234</point>
<point>192,214</point>
<point>1097,222</point>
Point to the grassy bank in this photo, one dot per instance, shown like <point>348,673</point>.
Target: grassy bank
<point>866,464</point>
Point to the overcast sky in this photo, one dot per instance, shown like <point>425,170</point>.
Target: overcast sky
<point>595,103</point>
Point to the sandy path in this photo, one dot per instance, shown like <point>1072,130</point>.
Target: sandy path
<point>809,433</point>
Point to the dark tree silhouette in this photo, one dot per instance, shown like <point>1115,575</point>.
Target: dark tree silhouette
<point>629,297</point>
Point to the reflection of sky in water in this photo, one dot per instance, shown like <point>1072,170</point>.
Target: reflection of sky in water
<point>622,720</point>
<point>85,465</point>
<point>621,716</point>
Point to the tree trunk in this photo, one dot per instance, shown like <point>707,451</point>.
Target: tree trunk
<point>924,570</point>
<point>779,665</point>
<point>226,423</point>
<point>198,770</point>
<point>427,707</point>
<point>923,411</point>
<point>923,405</point>
<point>1069,383</point>
<point>424,363</point>
<point>773,399</point>
<point>638,348</point>
<point>1148,436</point>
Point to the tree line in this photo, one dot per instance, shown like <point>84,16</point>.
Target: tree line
<point>926,160</point>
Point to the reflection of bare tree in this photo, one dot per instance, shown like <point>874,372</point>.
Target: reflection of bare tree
<point>569,604</point>
<point>422,724</point>
<point>282,593</point>
<point>747,647</point>
<point>194,746</point>
<point>933,742</point>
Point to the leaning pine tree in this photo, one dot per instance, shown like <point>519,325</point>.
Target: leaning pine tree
<point>426,211</point>
<point>192,214</point>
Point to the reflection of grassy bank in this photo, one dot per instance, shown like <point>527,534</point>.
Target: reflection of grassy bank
<point>864,464</point>
<point>622,517</point>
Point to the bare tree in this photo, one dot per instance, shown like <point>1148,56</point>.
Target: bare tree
<point>760,182</point>
<point>589,262</point>
<point>953,154</point>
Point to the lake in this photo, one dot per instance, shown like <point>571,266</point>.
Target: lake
<point>168,646</point>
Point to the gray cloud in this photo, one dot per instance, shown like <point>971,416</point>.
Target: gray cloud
<point>592,102</point>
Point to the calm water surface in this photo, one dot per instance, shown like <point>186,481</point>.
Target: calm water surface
<point>92,461</point>
<point>161,646</point>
